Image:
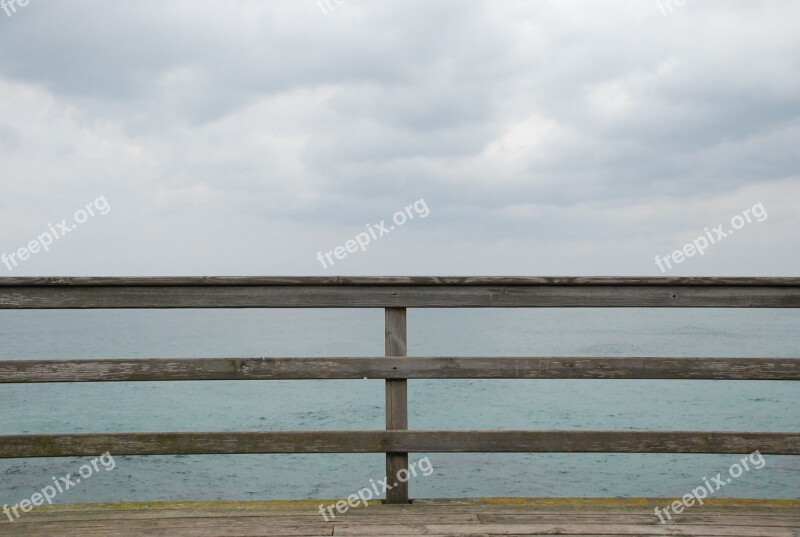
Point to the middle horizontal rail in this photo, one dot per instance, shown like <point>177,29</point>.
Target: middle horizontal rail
<point>161,369</point>
<point>399,441</point>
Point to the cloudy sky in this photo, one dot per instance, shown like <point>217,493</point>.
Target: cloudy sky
<point>544,138</point>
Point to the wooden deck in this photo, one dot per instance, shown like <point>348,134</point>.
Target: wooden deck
<point>482,517</point>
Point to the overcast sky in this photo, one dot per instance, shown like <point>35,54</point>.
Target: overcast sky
<point>545,138</point>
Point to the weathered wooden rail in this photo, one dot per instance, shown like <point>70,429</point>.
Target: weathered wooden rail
<point>395,294</point>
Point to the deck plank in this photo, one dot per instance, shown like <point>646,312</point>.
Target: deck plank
<point>586,517</point>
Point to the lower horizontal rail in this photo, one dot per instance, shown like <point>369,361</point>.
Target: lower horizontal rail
<point>444,367</point>
<point>398,441</point>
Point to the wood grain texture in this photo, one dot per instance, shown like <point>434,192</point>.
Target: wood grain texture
<point>20,293</point>
<point>476,517</point>
<point>396,344</point>
<point>226,281</point>
<point>398,441</point>
<point>395,294</point>
<point>398,367</point>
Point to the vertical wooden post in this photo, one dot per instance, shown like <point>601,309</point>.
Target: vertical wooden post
<point>396,403</point>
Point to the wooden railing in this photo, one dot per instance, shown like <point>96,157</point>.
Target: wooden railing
<point>395,294</point>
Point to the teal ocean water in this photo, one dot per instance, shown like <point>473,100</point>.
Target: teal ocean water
<point>358,404</point>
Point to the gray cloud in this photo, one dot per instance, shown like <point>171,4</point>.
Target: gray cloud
<point>243,137</point>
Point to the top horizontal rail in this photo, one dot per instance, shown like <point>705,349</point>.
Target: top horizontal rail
<point>397,292</point>
<point>228,281</point>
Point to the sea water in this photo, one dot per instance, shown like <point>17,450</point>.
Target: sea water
<point>359,404</point>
